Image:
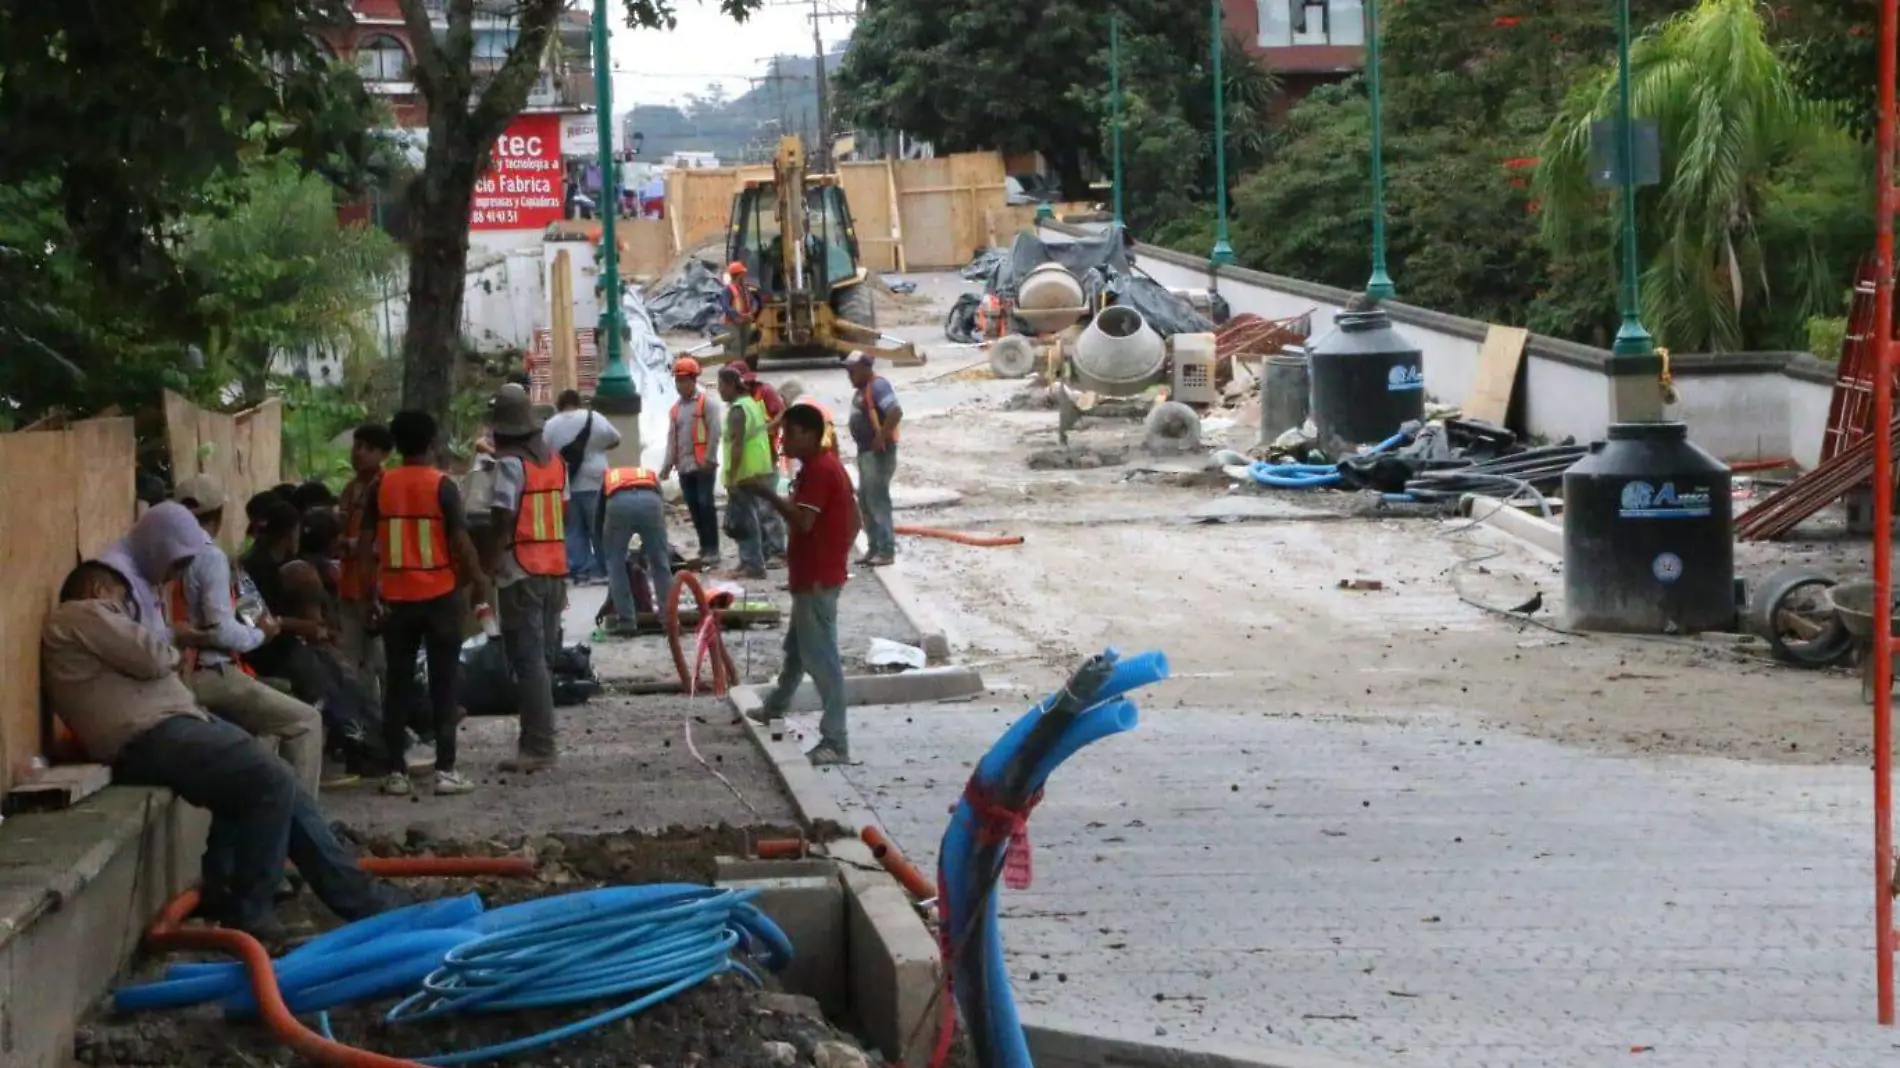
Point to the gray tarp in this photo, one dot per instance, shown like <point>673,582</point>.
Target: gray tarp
<point>1100,262</point>
<point>688,302</point>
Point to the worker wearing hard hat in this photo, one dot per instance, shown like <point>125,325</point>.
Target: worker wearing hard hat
<point>692,452</point>
<point>739,307</point>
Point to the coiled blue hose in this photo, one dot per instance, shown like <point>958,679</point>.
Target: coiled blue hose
<point>650,941</point>
<point>1091,707</point>
<point>1311,476</point>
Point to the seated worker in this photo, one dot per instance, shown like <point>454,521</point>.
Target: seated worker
<point>214,638</point>
<point>115,684</point>
<point>634,508</point>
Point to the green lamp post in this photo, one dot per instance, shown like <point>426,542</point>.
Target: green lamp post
<point>1115,104</point>
<point>1631,338</point>
<point>1379,285</point>
<point>614,393</point>
<point>1223,252</point>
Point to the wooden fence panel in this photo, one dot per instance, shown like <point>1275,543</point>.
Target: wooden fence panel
<point>39,542</point>
<point>244,452</point>
<point>648,244</point>
<point>105,453</point>
<point>945,205</point>
<point>699,204</point>
<point>867,188</point>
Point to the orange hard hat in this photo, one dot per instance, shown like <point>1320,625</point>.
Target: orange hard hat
<point>735,267</point>
<point>685,367</point>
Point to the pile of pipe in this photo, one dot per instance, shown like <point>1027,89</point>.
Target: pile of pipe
<point>1434,464</point>
<point>628,947</point>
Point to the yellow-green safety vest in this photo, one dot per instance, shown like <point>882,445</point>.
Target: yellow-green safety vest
<point>754,458</point>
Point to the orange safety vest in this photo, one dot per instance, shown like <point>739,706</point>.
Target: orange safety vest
<point>541,524</point>
<point>179,613</point>
<point>620,478</point>
<point>700,443</point>
<point>742,298</point>
<point>412,537</point>
<point>349,583</point>
<point>870,409</point>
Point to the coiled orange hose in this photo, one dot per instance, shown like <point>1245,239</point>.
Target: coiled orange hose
<point>725,672</point>
<point>168,934</point>
<point>984,541</point>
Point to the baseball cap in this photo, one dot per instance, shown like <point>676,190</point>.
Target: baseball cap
<point>203,494</point>
<point>859,358</point>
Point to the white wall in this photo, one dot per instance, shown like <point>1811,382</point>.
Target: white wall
<point>1737,407</point>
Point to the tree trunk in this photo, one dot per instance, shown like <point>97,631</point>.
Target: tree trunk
<point>438,263</point>
<point>1067,163</point>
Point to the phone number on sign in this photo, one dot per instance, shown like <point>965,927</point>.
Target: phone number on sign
<point>494,216</point>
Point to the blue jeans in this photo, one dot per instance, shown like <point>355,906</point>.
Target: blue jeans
<point>259,816</point>
<point>748,511</point>
<point>583,543</point>
<point>875,472</point>
<point>642,513</point>
<point>697,489</point>
<point>811,648</point>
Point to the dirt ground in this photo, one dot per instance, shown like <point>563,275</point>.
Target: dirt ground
<point>1242,588</point>
<point>725,1023</point>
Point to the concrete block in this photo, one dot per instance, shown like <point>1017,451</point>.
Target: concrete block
<point>76,890</point>
<point>902,688</point>
<point>894,964</point>
<point>1055,1043</point>
<point>810,798</point>
<point>738,869</point>
<point>930,634</point>
<point>810,909</point>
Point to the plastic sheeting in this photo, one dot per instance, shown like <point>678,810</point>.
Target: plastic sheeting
<point>652,368</point>
<point>1100,262</point>
<point>688,302</point>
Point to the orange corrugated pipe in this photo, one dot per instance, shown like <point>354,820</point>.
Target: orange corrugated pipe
<point>779,848</point>
<point>168,934</point>
<point>984,541</point>
<point>893,860</point>
<point>725,672</point>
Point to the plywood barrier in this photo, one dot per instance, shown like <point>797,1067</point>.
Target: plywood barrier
<point>868,189</point>
<point>648,244</point>
<point>243,451</point>
<point>945,205</point>
<point>699,204</point>
<point>71,494</point>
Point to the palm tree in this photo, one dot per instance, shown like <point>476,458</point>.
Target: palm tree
<point>1729,116</point>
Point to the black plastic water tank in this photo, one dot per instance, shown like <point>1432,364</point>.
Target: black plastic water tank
<point>1648,541</point>
<point>1367,380</point>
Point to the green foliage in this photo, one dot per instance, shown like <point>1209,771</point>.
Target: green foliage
<point>314,418</point>
<point>1826,334</point>
<point>1746,158</point>
<point>1041,73</point>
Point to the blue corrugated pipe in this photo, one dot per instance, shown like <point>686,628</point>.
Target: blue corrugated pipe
<point>1312,476</point>
<point>1089,708</point>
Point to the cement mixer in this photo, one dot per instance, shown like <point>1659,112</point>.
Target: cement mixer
<point>1049,301</point>
<point>1120,355</point>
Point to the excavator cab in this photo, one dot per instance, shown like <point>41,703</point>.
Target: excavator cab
<point>794,234</point>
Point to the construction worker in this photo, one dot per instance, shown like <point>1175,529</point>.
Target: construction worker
<point>773,529</point>
<point>824,522</point>
<point>359,641</point>
<point>634,508</point>
<point>528,564</point>
<point>692,431</point>
<point>748,472</point>
<point>794,393</point>
<point>421,553</point>
<point>206,624</point>
<point>739,307</point>
<point>875,415</point>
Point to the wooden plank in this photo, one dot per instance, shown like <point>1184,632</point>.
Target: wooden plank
<point>648,244</point>
<point>700,204</point>
<point>866,188</point>
<point>562,372</point>
<point>57,788</point>
<point>897,217</point>
<point>39,541</point>
<point>107,482</point>
<point>927,212</point>
<point>1498,362</point>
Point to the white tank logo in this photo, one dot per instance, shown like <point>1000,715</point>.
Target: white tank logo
<point>1404,378</point>
<point>1641,500</point>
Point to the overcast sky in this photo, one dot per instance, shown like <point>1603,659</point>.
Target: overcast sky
<point>660,67</point>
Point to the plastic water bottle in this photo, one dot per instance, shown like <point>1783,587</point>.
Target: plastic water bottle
<point>485,615</point>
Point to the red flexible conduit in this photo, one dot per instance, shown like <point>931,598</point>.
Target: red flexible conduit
<point>984,541</point>
<point>168,934</point>
<point>725,672</point>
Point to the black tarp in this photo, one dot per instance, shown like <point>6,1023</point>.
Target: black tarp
<point>1100,263</point>
<point>689,302</point>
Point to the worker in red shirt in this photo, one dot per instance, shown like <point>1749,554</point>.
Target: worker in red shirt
<point>822,514</point>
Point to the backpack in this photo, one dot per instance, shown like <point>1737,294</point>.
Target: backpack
<point>574,453</point>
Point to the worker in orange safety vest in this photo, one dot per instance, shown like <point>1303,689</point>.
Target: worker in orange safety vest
<point>632,507</point>
<point>528,563</point>
<point>693,433</point>
<point>739,308</point>
<point>412,571</point>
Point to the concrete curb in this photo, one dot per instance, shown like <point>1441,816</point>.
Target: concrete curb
<point>1055,1043</point>
<point>892,963</point>
<point>1540,533</point>
<point>902,688</point>
<point>930,634</point>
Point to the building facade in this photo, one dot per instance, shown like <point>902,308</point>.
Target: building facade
<point>1308,43</point>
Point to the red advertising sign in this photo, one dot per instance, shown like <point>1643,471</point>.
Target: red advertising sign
<point>523,186</point>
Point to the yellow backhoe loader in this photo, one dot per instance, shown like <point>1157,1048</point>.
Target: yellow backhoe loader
<point>793,232</point>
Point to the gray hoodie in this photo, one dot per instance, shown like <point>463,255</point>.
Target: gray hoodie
<point>164,535</point>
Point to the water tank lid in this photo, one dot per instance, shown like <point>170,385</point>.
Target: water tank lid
<point>1362,332</point>
<point>1670,431</point>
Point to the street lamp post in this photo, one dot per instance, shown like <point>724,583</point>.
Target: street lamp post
<point>614,393</point>
<point>1631,338</point>
<point>1115,103</point>
<point>1223,252</point>
<point>1379,285</point>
